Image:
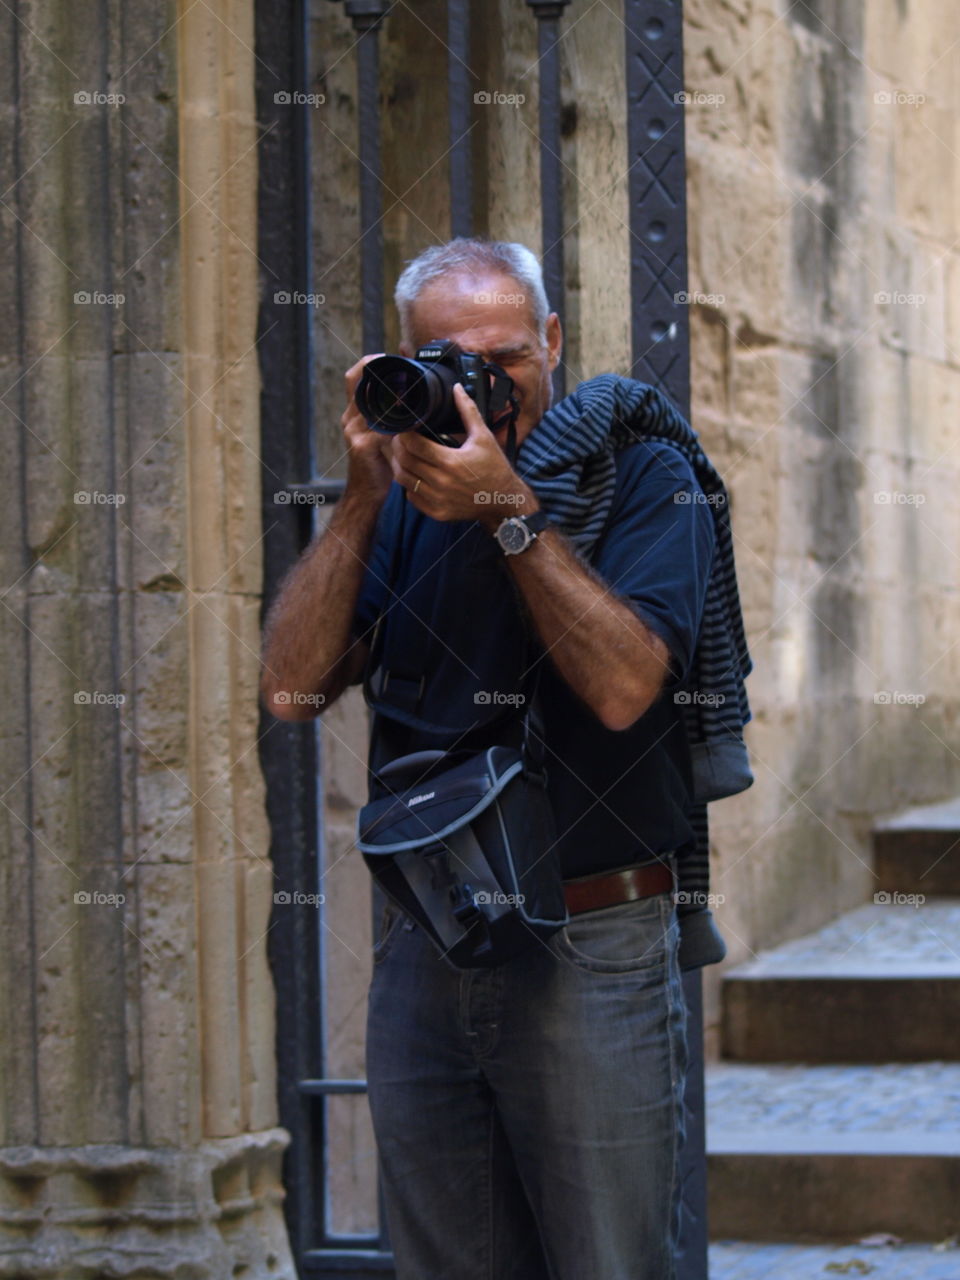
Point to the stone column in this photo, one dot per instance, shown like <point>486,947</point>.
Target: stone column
<point>137,1073</point>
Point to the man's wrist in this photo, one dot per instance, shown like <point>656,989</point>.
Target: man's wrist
<point>517,534</point>
<point>360,505</point>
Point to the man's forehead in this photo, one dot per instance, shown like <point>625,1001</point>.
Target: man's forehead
<point>493,308</point>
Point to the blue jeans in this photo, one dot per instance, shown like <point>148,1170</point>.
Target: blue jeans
<point>529,1117</point>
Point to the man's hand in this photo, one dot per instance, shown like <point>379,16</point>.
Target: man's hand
<point>474,482</point>
<point>369,475</point>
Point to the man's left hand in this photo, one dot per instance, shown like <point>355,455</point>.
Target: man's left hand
<point>474,482</point>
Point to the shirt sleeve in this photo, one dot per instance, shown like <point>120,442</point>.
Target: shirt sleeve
<point>657,548</point>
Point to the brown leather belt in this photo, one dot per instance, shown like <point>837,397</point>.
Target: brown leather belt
<point>609,888</point>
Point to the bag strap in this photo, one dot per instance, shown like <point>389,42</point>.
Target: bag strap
<point>532,745</point>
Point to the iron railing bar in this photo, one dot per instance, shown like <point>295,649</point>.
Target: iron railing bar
<point>341,1253</point>
<point>351,1243</point>
<point>355,1262</point>
<point>287,751</point>
<point>367,16</point>
<point>332,1086</point>
<point>459,91</point>
<point>551,170</point>
<point>660,340</point>
<point>330,489</point>
<point>657,198</point>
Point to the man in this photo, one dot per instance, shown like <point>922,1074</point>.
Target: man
<point>528,1117</point>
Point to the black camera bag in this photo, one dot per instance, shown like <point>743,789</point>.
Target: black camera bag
<point>464,843</point>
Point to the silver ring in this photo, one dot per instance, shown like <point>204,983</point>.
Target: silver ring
<point>418,484</point>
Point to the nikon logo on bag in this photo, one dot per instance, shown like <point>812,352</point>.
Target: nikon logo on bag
<point>427,795</point>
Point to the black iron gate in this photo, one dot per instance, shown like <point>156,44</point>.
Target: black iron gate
<point>290,753</point>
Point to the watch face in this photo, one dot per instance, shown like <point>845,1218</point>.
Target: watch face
<point>513,536</point>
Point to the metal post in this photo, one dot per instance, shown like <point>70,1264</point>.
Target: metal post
<point>287,751</point>
<point>661,356</point>
<point>548,14</point>
<point>459,82</point>
<point>366,16</point>
<point>657,196</point>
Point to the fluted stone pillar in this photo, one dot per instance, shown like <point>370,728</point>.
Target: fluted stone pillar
<point>137,1069</point>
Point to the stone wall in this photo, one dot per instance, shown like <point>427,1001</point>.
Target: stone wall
<point>136,1007</point>
<point>823,182</point>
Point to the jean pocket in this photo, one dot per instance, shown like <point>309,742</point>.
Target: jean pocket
<point>390,925</point>
<point>629,937</point>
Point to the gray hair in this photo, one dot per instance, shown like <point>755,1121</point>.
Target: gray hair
<point>468,255</point>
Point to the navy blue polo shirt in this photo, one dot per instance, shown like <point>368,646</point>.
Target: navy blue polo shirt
<point>455,656</point>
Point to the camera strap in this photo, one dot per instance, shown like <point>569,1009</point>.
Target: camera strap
<point>502,403</point>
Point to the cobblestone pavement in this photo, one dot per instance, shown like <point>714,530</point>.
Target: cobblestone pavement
<point>734,1260</point>
<point>914,1096</point>
<point>876,937</point>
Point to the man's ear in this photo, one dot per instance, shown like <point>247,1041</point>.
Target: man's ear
<point>554,339</point>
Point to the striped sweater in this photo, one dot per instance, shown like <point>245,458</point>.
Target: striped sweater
<point>568,461</point>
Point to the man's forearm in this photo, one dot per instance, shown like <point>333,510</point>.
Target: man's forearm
<point>602,649</point>
<point>606,654</point>
<point>309,654</point>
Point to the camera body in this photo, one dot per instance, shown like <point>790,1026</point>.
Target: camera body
<point>399,394</point>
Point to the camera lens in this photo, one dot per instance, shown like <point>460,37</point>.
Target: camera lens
<point>397,394</point>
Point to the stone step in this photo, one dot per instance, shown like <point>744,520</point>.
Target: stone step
<point>814,1153</point>
<point>738,1260</point>
<point>879,984</point>
<point>918,851</point>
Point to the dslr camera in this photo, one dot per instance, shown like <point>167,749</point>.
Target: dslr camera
<point>397,394</point>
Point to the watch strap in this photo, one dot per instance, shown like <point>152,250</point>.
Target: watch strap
<point>537,521</point>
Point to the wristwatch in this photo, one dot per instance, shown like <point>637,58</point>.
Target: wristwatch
<point>516,533</point>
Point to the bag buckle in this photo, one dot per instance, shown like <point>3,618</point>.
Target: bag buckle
<point>474,919</point>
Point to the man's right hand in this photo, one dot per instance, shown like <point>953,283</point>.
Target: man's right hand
<point>369,474</point>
